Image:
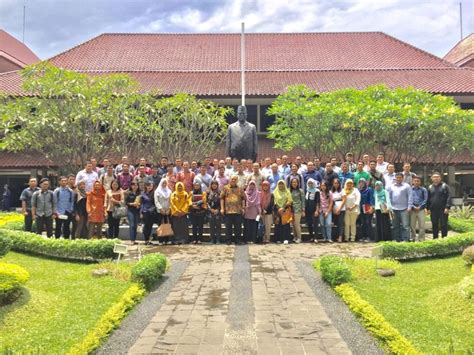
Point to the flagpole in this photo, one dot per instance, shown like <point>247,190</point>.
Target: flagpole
<point>242,63</point>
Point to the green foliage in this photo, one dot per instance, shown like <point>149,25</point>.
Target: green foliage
<point>461,225</point>
<point>149,270</point>
<point>61,303</point>
<point>109,321</point>
<point>5,245</point>
<point>375,323</point>
<point>424,303</point>
<point>334,270</point>
<point>365,268</point>
<point>430,248</point>
<point>15,225</point>
<point>72,116</point>
<point>12,278</point>
<point>78,249</point>
<point>372,118</point>
<point>466,287</point>
<point>468,255</point>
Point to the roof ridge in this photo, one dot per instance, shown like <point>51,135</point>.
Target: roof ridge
<point>458,43</point>
<point>73,48</point>
<point>418,49</point>
<point>232,33</point>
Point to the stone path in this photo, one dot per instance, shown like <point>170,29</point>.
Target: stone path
<point>246,300</point>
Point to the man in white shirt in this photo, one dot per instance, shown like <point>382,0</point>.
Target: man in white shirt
<point>267,169</point>
<point>88,175</point>
<point>302,168</point>
<point>335,168</point>
<point>389,176</point>
<point>382,165</point>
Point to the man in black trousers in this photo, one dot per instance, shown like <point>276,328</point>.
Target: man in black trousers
<point>439,203</point>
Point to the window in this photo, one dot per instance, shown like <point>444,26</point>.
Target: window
<point>265,120</point>
<point>251,114</point>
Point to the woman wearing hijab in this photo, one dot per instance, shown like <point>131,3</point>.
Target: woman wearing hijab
<point>339,209</point>
<point>95,210</point>
<point>197,212</point>
<point>180,202</point>
<point>298,198</point>
<point>367,204</point>
<point>252,210</point>
<point>311,202</point>
<point>132,200</point>
<point>147,211</point>
<point>162,203</point>
<point>213,199</point>
<point>382,213</point>
<point>352,196</point>
<point>266,202</point>
<point>283,201</point>
<point>80,211</point>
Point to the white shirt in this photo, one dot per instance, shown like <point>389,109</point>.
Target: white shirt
<point>382,167</point>
<point>389,179</point>
<point>89,179</point>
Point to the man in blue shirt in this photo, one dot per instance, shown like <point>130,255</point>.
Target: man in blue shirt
<point>64,207</point>
<point>274,177</point>
<point>419,198</point>
<point>284,169</point>
<point>312,173</point>
<point>400,197</point>
<point>345,174</point>
<point>25,199</point>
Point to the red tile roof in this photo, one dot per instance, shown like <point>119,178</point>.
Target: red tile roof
<point>462,52</point>
<point>24,160</point>
<point>209,64</point>
<point>15,51</point>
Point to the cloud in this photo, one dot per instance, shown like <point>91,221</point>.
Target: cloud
<point>53,26</point>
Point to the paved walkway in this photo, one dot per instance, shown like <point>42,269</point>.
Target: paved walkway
<point>246,300</point>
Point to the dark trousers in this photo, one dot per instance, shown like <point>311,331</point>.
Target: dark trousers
<point>133,217</point>
<point>28,221</point>
<point>114,225</point>
<point>250,230</point>
<point>81,227</point>
<point>197,222</point>
<point>282,232</point>
<point>63,227</point>
<point>312,223</point>
<point>233,228</point>
<point>148,220</point>
<point>73,227</point>
<point>338,221</point>
<point>215,228</point>
<point>44,223</point>
<point>366,224</point>
<point>382,226</point>
<point>438,217</point>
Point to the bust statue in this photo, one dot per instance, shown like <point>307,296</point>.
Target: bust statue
<point>241,141</point>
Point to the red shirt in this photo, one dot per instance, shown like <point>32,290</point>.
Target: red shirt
<point>187,179</point>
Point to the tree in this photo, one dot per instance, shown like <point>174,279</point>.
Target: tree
<point>70,117</point>
<point>404,123</point>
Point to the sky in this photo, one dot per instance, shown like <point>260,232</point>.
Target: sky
<point>54,26</point>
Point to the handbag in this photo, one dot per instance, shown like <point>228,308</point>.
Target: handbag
<point>287,216</point>
<point>119,212</point>
<point>164,230</point>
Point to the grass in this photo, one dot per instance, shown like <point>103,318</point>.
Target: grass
<point>424,303</point>
<point>62,301</point>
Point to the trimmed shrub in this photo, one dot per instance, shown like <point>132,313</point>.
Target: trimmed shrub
<point>374,322</point>
<point>466,286</point>
<point>109,321</point>
<point>430,248</point>
<point>149,270</point>
<point>15,225</point>
<point>5,245</point>
<point>78,249</point>
<point>461,225</point>
<point>334,270</point>
<point>468,255</point>
<point>10,217</point>
<point>12,278</point>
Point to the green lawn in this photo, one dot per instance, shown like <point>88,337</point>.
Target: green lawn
<point>423,302</point>
<point>63,301</point>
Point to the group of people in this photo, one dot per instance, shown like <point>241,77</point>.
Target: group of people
<point>248,197</point>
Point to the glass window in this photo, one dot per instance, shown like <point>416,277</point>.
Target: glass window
<point>251,114</point>
<point>265,119</point>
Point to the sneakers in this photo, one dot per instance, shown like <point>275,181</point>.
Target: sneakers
<point>297,241</point>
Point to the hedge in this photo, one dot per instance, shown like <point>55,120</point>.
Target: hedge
<point>149,270</point>
<point>430,248</point>
<point>12,278</point>
<point>10,217</point>
<point>5,245</point>
<point>109,321</point>
<point>461,225</point>
<point>78,249</point>
<point>334,270</point>
<point>374,322</point>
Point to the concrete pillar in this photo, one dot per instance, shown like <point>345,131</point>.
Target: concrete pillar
<point>451,176</point>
